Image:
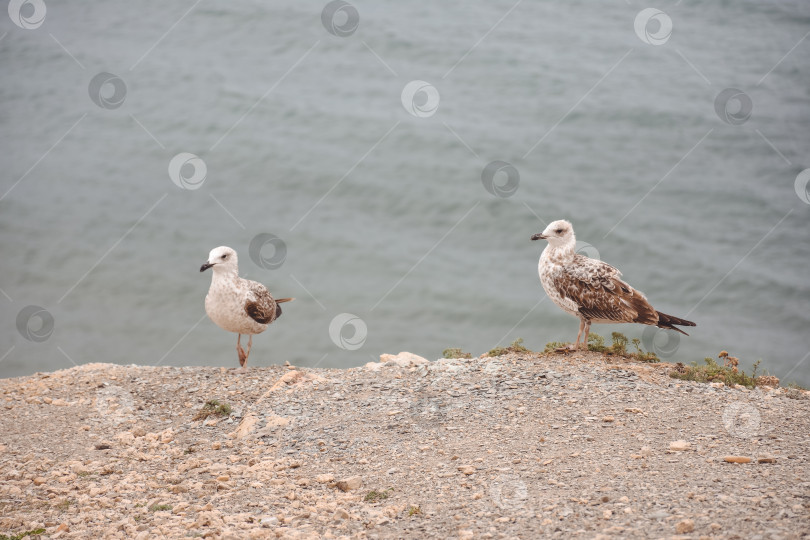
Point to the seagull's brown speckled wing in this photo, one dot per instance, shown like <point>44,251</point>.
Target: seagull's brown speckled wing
<point>601,294</point>
<point>260,305</point>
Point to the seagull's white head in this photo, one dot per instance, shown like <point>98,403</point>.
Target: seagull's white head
<point>559,233</point>
<point>223,260</point>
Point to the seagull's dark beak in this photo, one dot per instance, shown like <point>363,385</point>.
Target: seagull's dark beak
<point>206,266</point>
<point>539,236</point>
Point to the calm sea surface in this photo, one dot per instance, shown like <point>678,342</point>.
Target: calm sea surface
<point>309,123</point>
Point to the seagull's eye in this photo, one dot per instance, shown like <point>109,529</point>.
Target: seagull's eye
<point>223,257</point>
<point>559,231</point>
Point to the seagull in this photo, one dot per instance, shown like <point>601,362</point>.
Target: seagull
<point>590,289</point>
<point>236,304</point>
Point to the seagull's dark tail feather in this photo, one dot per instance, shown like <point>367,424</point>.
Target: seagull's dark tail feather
<point>278,307</point>
<point>669,322</point>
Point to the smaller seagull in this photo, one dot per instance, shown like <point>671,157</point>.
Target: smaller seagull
<point>590,289</point>
<point>235,304</point>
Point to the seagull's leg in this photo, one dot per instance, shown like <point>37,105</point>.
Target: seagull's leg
<point>587,332</point>
<point>579,334</point>
<point>250,344</point>
<point>241,351</point>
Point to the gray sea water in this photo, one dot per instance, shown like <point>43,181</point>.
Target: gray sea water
<point>672,138</point>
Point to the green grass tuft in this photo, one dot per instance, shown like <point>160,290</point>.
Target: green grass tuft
<point>714,372</point>
<point>414,510</point>
<point>455,353</point>
<point>20,536</point>
<point>374,495</point>
<point>619,344</point>
<point>213,407</point>
<point>515,347</point>
<point>160,507</point>
<point>552,346</point>
<point>596,343</point>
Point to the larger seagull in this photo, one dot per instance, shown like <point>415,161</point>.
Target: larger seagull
<point>236,304</point>
<point>590,289</point>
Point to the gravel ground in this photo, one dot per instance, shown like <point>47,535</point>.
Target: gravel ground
<point>518,446</point>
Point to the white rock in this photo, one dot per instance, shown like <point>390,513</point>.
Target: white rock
<point>373,366</point>
<point>679,446</point>
<point>403,359</point>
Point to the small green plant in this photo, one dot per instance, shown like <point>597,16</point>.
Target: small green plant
<point>619,343</point>
<point>160,507</point>
<point>374,495</point>
<point>515,347</point>
<point>20,536</point>
<point>596,343</point>
<point>414,510</point>
<point>713,372</point>
<point>455,353</point>
<point>754,369</point>
<point>643,356</point>
<point>553,346</point>
<point>213,407</point>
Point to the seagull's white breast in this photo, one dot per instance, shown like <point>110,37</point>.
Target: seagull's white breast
<point>551,261</point>
<point>225,305</point>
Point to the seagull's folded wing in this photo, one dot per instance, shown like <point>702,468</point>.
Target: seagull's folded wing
<point>260,305</point>
<point>600,293</point>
